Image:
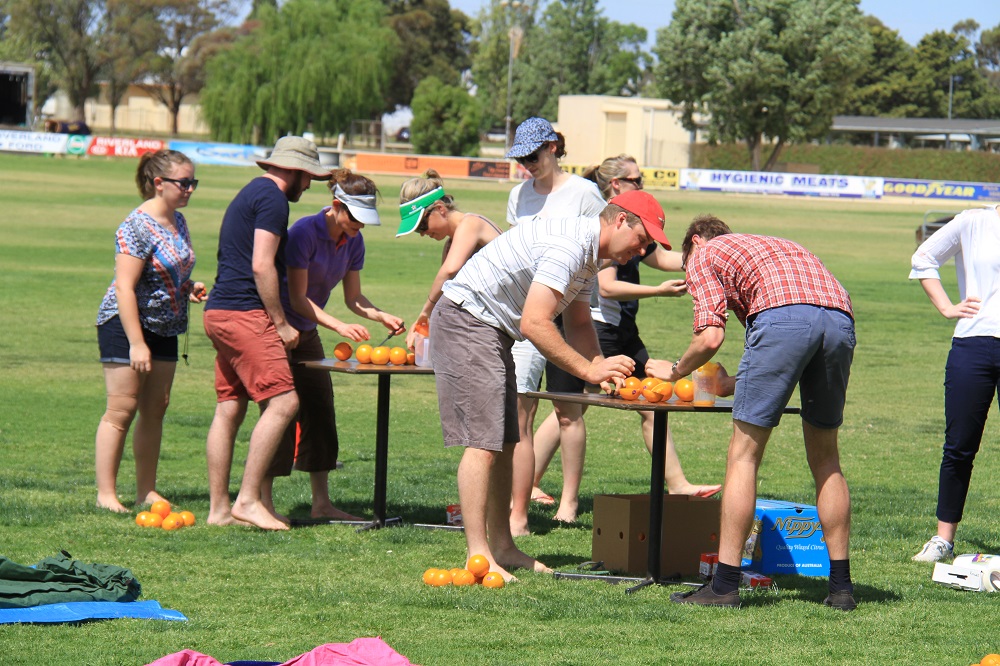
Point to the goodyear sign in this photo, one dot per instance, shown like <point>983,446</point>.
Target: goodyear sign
<point>656,178</point>
<point>941,189</point>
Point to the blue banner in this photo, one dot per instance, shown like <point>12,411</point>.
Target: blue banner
<point>229,154</point>
<point>941,189</point>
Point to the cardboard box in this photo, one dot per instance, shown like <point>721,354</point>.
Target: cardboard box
<point>621,526</point>
<point>786,538</point>
<point>708,566</point>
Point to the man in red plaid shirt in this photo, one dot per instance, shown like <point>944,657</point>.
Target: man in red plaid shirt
<point>799,332</point>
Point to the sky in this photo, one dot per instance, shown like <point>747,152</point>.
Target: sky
<point>912,18</point>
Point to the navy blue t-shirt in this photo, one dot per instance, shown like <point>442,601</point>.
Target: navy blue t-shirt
<point>259,205</point>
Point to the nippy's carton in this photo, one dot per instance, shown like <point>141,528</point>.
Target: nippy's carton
<point>786,538</point>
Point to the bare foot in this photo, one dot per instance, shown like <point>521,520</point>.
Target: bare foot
<point>151,496</point>
<point>111,503</point>
<point>519,528</point>
<point>566,512</point>
<point>539,496</point>
<point>224,518</point>
<point>333,513</point>
<point>696,490</point>
<point>256,514</point>
<point>516,559</point>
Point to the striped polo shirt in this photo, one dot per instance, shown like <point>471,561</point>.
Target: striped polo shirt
<point>749,274</point>
<point>560,253</point>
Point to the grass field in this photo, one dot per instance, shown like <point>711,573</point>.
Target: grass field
<point>253,595</point>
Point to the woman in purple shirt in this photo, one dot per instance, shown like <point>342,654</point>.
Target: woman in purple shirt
<point>324,250</point>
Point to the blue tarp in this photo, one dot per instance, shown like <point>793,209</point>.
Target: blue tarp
<point>80,611</point>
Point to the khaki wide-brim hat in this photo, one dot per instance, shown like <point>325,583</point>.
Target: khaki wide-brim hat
<point>295,152</point>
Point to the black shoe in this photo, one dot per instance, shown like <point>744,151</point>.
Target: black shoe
<point>706,596</point>
<point>842,600</point>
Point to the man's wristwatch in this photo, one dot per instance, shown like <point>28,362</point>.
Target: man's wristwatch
<point>673,368</point>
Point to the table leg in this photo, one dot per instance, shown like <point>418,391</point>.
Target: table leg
<point>658,461</point>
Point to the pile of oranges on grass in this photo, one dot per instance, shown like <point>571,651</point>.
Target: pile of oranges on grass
<point>476,572</point>
<point>161,515</point>
<point>377,355</point>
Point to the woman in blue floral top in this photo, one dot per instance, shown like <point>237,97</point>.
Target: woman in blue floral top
<point>143,312</point>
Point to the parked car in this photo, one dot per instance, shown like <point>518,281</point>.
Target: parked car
<point>403,134</point>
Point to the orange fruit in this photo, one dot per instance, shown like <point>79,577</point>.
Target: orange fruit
<point>411,358</point>
<point>650,395</point>
<point>650,382</point>
<point>666,389</point>
<point>430,575</point>
<point>633,382</point>
<point>154,520</point>
<point>463,577</point>
<point>141,518</point>
<point>172,522</point>
<point>397,356</point>
<point>161,507</point>
<point>363,353</point>
<point>178,517</point>
<point>441,578</point>
<point>493,579</point>
<point>188,518</point>
<point>992,659</point>
<point>423,329</point>
<point>380,355</point>
<point>478,565</point>
<point>343,351</point>
<point>710,368</point>
<point>629,393</point>
<point>684,388</point>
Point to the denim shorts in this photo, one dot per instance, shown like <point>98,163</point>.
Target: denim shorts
<point>804,345</point>
<point>114,347</point>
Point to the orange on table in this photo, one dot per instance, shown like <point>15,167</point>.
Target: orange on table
<point>650,382</point>
<point>666,389</point>
<point>430,575</point>
<point>363,353</point>
<point>478,565</point>
<point>684,389</point>
<point>629,393</point>
<point>463,577</point>
<point>633,382</point>
<point>411,358</point>
<point>397,356</point>
<point>343,351</point>
<point>172,522</point>
<point>380,356</point>
<point>650,395</point>
<point>188,518</point>
<point>161,508</point>
<point>493,579</point>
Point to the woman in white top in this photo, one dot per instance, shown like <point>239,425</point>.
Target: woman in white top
<point>614,311</point>
<point>550,193</point>
<point>972,373</point>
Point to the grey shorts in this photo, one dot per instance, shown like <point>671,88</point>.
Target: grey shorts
<point>474,372</point>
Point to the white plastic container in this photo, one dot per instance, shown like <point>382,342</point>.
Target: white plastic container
<point>422,350</point>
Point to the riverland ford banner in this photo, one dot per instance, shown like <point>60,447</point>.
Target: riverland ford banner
<point>33,142</point>
<point>941,189</point>
<point>759,182</point>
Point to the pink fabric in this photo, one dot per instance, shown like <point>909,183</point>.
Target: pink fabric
<point>359,652</point>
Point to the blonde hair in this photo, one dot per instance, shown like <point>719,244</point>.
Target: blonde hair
<point>352,183</point>
<point>421,185</point>
<point>156,164</point>
<point>603,173</point>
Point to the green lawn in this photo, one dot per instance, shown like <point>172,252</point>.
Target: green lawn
<point>253,595</point>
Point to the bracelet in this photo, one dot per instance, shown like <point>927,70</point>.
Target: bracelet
<point>673,368</point>
<point>432,302</point>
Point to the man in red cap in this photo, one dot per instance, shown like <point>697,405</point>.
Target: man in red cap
<point>799,332</point>
<point>512,289</point>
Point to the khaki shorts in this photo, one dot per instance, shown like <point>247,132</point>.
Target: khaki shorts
<point>250,358</point>
<point>474,372</point>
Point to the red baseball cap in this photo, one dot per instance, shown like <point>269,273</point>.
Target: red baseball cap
<point>648,209</point>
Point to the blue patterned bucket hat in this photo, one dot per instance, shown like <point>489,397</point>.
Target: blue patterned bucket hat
<point>530,136</point>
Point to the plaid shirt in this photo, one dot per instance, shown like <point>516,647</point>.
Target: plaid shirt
<point>748,274</point>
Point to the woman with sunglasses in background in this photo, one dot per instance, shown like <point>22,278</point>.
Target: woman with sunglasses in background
<point>614,313</point>
<point>143,312</point>
<point>323,250</point>
<point>550,193</point>
<point>425,208</point>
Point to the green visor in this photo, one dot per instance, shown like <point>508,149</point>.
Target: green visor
<point>411,212</point>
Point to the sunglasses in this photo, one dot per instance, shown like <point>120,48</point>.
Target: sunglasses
<point>424,224</point>
<point>184,183</point>
<point>533,157</point>
<point>636,182</point>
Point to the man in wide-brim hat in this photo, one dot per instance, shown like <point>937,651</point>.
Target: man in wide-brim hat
<point>245,321</point>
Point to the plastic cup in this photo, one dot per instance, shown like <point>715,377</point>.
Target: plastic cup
<point>703,397</point>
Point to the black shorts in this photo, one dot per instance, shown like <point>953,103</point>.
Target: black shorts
<point>623,339</point>
<point>114,347</point>
<point>557,379</point>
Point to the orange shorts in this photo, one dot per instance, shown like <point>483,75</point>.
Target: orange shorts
<point>250,359</point>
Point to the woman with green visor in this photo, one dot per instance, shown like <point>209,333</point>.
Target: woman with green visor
<point>425,208</point>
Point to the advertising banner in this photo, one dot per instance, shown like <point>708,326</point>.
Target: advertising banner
<point>113,146</point>
<point>941,189</point>
<point>229,154</point>
<point>656,178</point>
<point>758,182</point>
<point>33,142</point>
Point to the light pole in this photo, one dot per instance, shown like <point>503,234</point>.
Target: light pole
<point>517,9</point>
<point>951,91</point>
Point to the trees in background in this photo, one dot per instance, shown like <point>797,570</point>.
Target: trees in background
<point>764,72</point>
<point>445,119</point>
<point>312,65</point>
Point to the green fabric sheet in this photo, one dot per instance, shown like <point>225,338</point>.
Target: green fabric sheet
<point>61,579</point>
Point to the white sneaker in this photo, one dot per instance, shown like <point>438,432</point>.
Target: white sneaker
<point>935,550</point>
